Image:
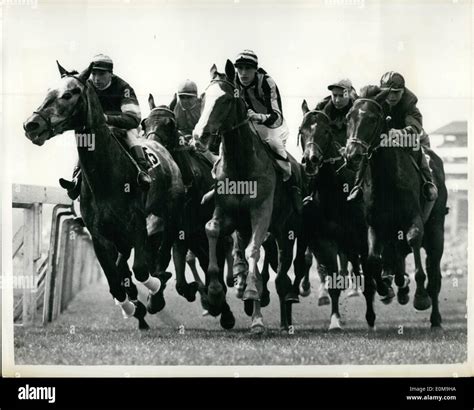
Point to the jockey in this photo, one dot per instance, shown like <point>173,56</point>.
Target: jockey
<point>121,110</point>
<point>336,106</point>
<point>404,119</point>
<point>265,113</point>
<point>186,106</point>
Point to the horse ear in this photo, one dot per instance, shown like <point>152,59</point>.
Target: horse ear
<point>382,96</point>
<point>151,101</point>
<point>213,71</point>
<point>84,76</point>
<point>62,70</point>
<point>304,107</point>
<point>230,70</point>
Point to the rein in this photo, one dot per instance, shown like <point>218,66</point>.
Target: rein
<point>239,124</point>
<point>330,160</point>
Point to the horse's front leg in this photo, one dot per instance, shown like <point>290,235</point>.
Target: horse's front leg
<point>260,222</point>
<point>107,256</point>
<point>283,282</point>
<point>215,289</point>
<point>142,268</point>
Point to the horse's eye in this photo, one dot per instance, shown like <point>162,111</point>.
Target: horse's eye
<point>66,96</point>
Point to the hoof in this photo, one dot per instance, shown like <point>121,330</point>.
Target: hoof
<point>214,311</point>
<point>227,320</point>
<point>265,299</point>
<point>156,302</point>
<point>324,300</point>
<point>335,325</point>
<point>140,313</point>
<point>257,327</point>
<point>239,282</point>
<point>248,307</point>
<point>403,296</point>
<point>437,330</point>
<point>371,332</point>
<point>388,298</point>
<point>422,301</point>
<point>292,297</point>
<point>250,294</point>
<point>353,293</point>
<point>188,291</point>
<point>305,292</point>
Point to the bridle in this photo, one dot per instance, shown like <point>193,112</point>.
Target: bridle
<point>170,115</point>
<point>234,89</point>
<point>369,148</point>
<point>52,129</point>
<point>319,150</point>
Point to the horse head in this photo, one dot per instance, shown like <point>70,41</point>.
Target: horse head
<point>365,125</point>
<point>221,106</point>
<point>160,125</point>
<point>316,137</point>
<point>62,109</point>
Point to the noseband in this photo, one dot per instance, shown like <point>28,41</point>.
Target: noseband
<point>53,128</point>
<point>369,148</point>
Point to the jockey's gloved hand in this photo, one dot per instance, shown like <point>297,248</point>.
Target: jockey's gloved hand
<point>257,118</point>
<point>396,134</point>
<point>197,145</point>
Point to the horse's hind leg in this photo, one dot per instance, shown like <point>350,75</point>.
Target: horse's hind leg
<point>229,244</point>
<point>107,254</point>
<point>414,235</point>
<point>126,274</point>
<point>434,245</point>
<point>282,281</point>
<point>187,290</point>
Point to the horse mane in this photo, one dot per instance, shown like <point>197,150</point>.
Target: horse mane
<point>369,91</point>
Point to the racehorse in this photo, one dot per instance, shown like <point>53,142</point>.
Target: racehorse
<point>160,126</point>
<point>245,160</point>
<point>113,207</point>
<point>394,200</point>
<point>333,226</point>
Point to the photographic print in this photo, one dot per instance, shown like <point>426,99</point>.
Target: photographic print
<point>236,188</point>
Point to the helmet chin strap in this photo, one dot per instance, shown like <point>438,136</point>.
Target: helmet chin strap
<point>105,87</point>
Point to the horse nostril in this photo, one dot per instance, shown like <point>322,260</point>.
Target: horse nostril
<point>31,126</point>
<point>313,159</point>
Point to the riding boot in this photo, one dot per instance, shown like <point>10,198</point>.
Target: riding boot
<point>144,180</point>
<point>357,191</point>
<point>73,187</point>
<point>430,191</point>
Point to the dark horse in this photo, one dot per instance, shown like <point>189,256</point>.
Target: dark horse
<point>160,126</point>
<point>245,160</point>
<point>333,226</point>
<point>394,201</point>
<point>113,206</point>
